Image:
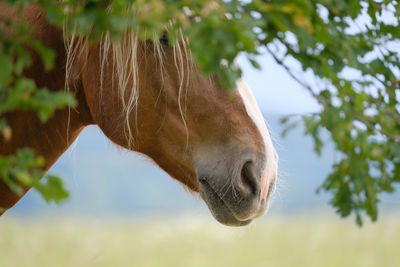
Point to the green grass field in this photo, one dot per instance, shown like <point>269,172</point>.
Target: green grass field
<point>289,241</point>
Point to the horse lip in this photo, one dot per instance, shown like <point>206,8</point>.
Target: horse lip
<point>208,193</point>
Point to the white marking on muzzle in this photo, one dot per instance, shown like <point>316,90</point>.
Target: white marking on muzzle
<point>271,167</point>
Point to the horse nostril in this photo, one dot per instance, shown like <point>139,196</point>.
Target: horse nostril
<point>202,179</point>
<point>248,178</point>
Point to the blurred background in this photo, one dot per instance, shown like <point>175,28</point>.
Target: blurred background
<point>124,211</point>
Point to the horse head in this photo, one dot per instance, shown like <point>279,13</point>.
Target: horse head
<point>151,98</point>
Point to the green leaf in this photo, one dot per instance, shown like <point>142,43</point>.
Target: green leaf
<point>51,189</point>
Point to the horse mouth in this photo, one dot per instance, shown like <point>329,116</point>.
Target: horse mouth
<point>219,209</point>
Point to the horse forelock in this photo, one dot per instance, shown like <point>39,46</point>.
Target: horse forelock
<point>271,166</point>
<point>123,56</point>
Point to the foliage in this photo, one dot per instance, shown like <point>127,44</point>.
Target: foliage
<point>349,48</point>
<point>17,92</point>
<point>23,170</point>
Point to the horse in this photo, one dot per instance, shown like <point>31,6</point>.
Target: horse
<point>150,97</point>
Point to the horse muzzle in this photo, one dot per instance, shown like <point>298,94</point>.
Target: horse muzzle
<point>235,199</point>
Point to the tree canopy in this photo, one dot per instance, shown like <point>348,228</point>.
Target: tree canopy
<point>349,48</point>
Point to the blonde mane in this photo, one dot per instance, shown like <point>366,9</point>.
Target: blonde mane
<point>125,74</point>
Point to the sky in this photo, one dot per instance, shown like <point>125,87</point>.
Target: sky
<point>275,90</point>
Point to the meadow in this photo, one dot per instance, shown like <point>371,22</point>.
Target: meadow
<point>191,241</point>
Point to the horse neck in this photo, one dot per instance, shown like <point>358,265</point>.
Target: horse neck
<point>50,139</point>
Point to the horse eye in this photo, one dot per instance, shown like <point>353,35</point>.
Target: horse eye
<point>164,40</point>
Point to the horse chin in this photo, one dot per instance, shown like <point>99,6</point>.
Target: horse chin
<point>219,209</point>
